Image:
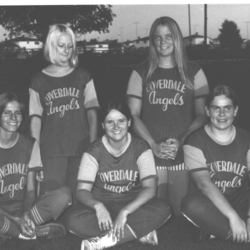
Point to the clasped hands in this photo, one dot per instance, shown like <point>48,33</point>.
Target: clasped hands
<point>26,225</point>
<point>166,150</point>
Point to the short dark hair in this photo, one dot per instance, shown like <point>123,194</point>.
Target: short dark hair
<point>116,104</point>
<point>222,90</point>
<point>8,97</point>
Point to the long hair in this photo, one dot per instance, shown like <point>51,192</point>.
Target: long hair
<point>179,54</point>
<point>50,52</point>
<point>8,97</point>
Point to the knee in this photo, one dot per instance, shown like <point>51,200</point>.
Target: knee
<point>163,211</point>
<point>189,205</point>
<point>64,196</point>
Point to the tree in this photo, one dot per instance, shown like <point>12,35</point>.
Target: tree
<point>36,20</point>
<point>230,35</point>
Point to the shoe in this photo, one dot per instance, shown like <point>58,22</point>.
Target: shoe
<point>201,235</point>
<point>3,239</point>
<point>150,238</point>
<point>50,230</point>
<point>99,243</point>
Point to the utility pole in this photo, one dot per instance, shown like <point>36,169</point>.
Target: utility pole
<point>136,30</point>
<point>121,28</point>
<point>194,28</point>
<point>247,28</point>
<point>189,23</point>
<point>205,25</point>
<point>146,31</point>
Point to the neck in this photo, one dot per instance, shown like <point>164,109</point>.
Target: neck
<point>118,146</point>
<point>166,62</point>
<point>222,135</point>
<point>8,139</point>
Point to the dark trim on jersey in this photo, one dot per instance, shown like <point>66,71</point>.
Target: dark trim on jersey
<point>34,115</point>
<point>150,177</point>
<point>134,96</point>
<point>200,96</point>
<point>82,181</point>
<point>96,107</point>
<point>196,170</point>
<point>34,169</point>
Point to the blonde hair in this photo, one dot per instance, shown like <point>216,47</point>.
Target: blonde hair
<point>50,52</point>
<point>179,54</point>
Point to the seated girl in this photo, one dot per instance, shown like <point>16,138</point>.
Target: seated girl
<point>117,184</point>
<point>21,214</point>
<point>218,160</point>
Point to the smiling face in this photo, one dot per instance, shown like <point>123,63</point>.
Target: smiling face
<point>64,48</point>
<point>163,41</point>
<point>116,126</point>
<point>221,113</point>
<point>11,118</point>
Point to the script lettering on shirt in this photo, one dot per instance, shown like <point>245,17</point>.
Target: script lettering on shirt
<point>12,187</point>
<point>235,183</point>
<point>162,84</point>
<point>119,175</point>
<point>227,166</point>
<point>13,168</point>
<point>61,93</point>
<point>61,109</point>
<point>119,189</point>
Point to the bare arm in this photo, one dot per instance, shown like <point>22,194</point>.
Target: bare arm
<point>35,127</point>
<point>207,187</point>
<point>84,196</point>
<point>93,124</point>
<point>199,121</point>
<point>140,129</point>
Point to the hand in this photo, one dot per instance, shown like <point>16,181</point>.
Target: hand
<point>162,150</point>
<point>26,225</point>
<point>103,217</point>
<point>239,229</point>
<point>39,176</point>
<point>119,224</point>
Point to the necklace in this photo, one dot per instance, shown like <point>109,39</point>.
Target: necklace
<point>12,143</point>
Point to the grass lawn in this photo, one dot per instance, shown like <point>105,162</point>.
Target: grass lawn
<point>177,234</point>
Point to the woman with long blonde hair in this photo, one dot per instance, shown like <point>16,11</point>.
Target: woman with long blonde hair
<point>166,95</point>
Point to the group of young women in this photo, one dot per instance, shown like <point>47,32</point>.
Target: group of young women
<point>123,185</point>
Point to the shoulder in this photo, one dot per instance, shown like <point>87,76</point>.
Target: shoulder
<point>193,67</point>
<point>95,148</point>
<point>138,144</point>
<point>142,67</point>
<point>83,75</point>
<point>242,133</point>
<point>37,80</point>
<point>197,138</point>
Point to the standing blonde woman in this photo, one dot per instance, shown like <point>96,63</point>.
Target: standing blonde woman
<point>62,108</point>
<point>166,95</point>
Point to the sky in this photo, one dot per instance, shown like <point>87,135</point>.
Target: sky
<point>135,20</point>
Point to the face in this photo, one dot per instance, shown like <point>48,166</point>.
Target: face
<point>64,48</point>
<point>116,126</point>
<point>163,41</point>
<point>221,112</point>
<point>11,118</point>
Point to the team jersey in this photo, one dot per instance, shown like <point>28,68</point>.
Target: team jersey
<point>61,103</point>
<point>228,164</point>
<point>15,163</point>
<point>117,177</point>
<point>167,103</point>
